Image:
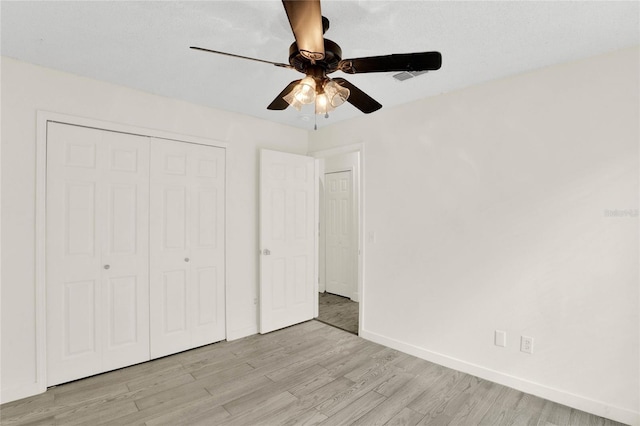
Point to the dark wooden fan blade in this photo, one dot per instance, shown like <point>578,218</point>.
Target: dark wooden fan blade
<point>358,98</point>
<point>424,61</point>
<point>241,57</point>
<point>279,103</point>
<point>305,18</point>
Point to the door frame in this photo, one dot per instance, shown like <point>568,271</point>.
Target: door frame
<point>42,119</point>
<point>360,275</point>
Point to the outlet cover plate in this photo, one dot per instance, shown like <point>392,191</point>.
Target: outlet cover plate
<point>526,344</point>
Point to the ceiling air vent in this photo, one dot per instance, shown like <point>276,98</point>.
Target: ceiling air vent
<point>406,75</point>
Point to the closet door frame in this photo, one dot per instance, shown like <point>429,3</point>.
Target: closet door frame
<point>43,118</point>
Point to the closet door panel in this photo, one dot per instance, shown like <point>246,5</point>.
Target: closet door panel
<point>206,296</point>
<point>74,274</point>
<point>174,302</point>
<point>169,264</point>
<point>187,246</point>
<point>123,311</point>
<point>125,249</point>
<point>97,251</point>
<point>80,319</point>
<point>207,247</point>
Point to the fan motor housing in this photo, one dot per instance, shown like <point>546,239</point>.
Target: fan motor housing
<point>332,56</point>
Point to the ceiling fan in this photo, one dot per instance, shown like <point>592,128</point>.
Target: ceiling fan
<point>317,57</point>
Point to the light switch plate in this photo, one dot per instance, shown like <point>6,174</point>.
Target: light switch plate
<point>500,338</point>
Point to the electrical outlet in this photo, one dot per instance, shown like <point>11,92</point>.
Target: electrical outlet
<point>526,344</point>
<point>500,338</point>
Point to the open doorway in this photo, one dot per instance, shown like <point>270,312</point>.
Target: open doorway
<point>338,311</point>
<point>340,248</point>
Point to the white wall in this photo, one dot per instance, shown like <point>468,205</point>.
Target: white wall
<point>488,207</point>
<point>26,89</point>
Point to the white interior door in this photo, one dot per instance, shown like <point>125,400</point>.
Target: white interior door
<point>187,246</point>
<point>97,251</point>
<point>339,231</point>
<point>287,238</point>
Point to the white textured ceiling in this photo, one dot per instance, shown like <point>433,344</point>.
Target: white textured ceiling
<point>144,44</point>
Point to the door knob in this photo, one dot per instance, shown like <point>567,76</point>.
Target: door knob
<point>186,259</point>
<point>107,266</point>
<point>266,252</point>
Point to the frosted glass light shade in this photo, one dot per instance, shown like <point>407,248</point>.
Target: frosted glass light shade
<point>302,93</point>
<point>293,101</point>
<point>336,94</point>
<point>305,91</point>
<point>323,106</point>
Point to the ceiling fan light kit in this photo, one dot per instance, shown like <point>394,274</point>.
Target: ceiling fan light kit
<point>316,57</point>
<point>327,95</point>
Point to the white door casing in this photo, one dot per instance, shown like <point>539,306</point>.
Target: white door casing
<point>97,251</point>
<point>340,246</point>
<point>187,246</point>
<point>287,239</point>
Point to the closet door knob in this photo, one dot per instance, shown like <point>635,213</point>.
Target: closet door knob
<point>107,266</point>
<point>186,259</point>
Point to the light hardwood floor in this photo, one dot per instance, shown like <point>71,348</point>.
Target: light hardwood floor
<point>308,374</point>
<point>338,311</point>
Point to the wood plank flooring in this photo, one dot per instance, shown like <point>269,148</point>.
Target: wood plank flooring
<point>308,374</point>
<point>338,311</point>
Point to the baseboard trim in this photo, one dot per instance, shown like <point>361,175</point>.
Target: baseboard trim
<point>588,405</point>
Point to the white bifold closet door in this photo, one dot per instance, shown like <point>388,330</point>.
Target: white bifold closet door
<point>134,248</point>
<point>187,246</point>
<point>97,251</point>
